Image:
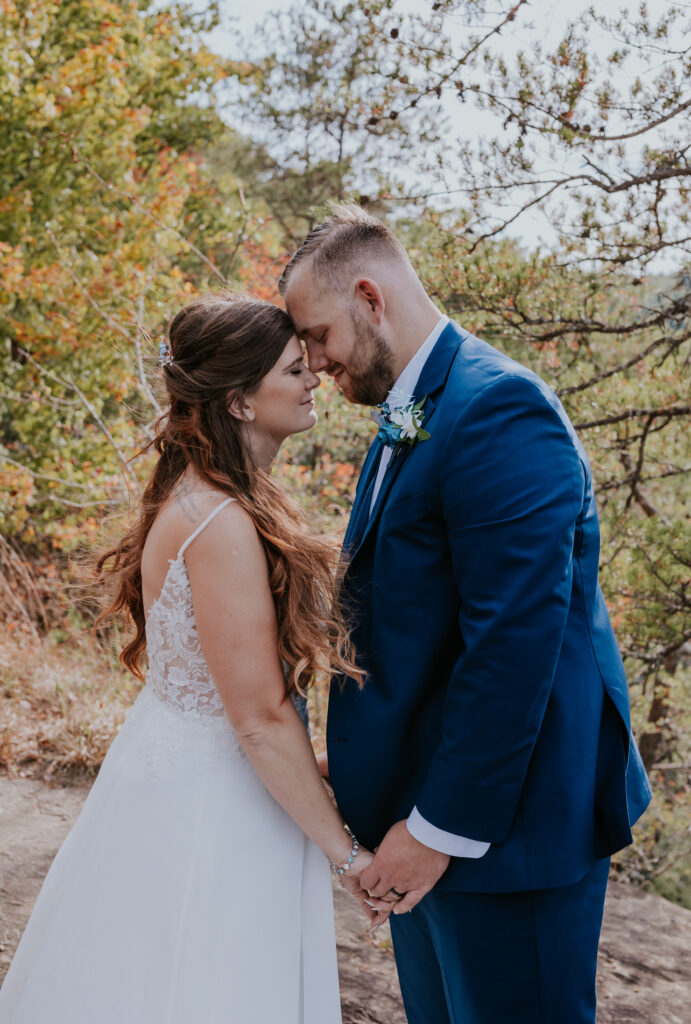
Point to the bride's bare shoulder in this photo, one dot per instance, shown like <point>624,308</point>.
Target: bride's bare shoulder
<point>189,504</point>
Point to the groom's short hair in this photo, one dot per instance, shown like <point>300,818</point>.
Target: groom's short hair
<point>340,247</point>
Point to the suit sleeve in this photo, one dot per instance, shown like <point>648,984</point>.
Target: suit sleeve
<point>512,485</point>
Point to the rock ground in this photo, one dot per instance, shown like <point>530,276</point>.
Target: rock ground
<point>644,971</point>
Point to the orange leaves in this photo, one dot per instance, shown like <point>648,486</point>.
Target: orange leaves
<point>551,352</point>
<point>321,486</point>
<point>104,223</point>
<point>16,482</point>
<point>260,270</point>
<point>618,609</point>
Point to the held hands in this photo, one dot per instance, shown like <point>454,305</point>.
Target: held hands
<point>397,876</point>
<point>403,864</point>
<point>376,910</point>
<point>349,871</point>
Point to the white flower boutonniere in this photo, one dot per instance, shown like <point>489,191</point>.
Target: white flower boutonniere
<point>400,421</point>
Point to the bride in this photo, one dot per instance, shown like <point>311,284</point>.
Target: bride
<point>194,886</point>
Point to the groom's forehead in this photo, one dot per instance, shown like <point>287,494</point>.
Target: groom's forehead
<point>310,312</point>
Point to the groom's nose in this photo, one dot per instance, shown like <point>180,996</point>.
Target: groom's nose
<point>316,360</point>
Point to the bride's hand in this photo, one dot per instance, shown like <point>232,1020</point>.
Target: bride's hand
<point>376,910</point>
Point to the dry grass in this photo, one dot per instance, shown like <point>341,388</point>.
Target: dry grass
<point>60,706</point>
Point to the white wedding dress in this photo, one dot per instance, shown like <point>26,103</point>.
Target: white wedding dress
<point>184,894</point>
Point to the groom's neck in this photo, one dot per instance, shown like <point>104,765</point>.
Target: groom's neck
<point>410,331</point>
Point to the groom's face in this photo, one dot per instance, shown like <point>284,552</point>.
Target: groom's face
<point>341,341</point>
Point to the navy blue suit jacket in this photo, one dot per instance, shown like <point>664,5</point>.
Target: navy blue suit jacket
<point>495,698</point>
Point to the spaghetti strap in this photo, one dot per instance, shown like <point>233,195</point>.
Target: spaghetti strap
<point>201,526</point>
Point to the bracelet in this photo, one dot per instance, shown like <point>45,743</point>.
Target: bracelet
<point>342,868</point>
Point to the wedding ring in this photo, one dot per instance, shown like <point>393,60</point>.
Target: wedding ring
<point>397,893</point>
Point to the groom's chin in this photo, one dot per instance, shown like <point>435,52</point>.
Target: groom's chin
<point>361,392</point>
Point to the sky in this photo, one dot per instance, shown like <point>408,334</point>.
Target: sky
<point>543,20</point>
<point>550,14</point>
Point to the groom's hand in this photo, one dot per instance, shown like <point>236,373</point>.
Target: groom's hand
<point>403,864</point>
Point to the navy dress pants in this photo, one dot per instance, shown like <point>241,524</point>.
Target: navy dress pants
<point>502,958</point>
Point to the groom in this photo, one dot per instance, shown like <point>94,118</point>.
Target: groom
<point>489,756</point>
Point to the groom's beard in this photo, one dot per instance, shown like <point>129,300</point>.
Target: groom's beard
<point>370,367</point>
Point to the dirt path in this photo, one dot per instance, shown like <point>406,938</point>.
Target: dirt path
<point>645,966</point>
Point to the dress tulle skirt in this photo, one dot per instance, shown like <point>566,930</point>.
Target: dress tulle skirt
<point>183,895</point>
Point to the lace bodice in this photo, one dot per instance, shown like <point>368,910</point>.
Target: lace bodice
<point>178,673</point>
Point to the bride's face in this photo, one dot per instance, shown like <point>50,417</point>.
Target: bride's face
<point>283,403</point>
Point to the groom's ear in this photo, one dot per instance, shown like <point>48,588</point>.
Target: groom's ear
<point>240,408</point>
<point>368,291</point>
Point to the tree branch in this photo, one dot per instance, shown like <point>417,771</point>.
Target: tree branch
<point>67,382</point>
<point>39,476</point>
<point>621,367</point>
<point>673,411</point>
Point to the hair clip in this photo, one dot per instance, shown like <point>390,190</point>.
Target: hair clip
<point>165,356</point>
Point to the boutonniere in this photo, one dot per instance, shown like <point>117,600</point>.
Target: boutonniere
<point>400,421</point>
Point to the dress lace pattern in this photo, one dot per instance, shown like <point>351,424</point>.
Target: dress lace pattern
<point>178,673</point>
<point>180,712</point>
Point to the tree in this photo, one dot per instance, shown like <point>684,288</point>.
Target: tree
<point>316,105</point>
<point>106,110</point>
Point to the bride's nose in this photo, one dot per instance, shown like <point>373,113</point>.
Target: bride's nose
<point>312,381</point>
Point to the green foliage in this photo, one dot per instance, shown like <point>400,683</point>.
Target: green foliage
<point>318,104</point>
<point>106,111</point>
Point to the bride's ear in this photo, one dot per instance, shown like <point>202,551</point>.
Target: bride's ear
<point>239,407</point>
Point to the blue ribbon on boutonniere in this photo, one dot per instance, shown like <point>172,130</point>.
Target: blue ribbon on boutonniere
<point>400,421</point>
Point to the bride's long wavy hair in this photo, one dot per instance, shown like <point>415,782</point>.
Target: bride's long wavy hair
<point>222,347</point>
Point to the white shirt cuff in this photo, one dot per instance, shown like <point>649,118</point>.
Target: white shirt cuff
<point>444,842</point>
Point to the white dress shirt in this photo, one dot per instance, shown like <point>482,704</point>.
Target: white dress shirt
<point>403,389</point>
<point>419,827</point>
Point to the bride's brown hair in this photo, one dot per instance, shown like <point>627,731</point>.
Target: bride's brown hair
<point>222,347</point>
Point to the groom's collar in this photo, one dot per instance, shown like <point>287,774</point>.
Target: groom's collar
<point>436,369</point>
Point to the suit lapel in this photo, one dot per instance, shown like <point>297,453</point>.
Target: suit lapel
<point>432,380</point>
<point>437,368</point>
<point>360,510</point>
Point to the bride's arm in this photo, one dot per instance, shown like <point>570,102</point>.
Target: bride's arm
<point>236,622</point>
